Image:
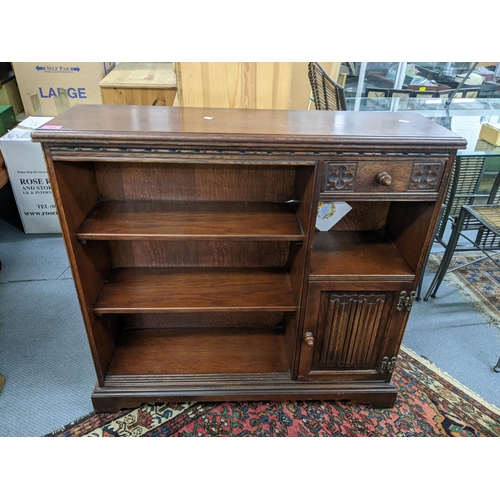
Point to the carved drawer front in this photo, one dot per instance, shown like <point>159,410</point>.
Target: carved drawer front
<point>383,176</point>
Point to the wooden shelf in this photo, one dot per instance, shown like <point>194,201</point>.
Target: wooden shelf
<point>199,351</point>
<point>357,254</point>
<point>156,290</point>
<point>165,220</point>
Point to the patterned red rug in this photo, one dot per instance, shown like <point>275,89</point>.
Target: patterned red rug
<point>429,403</point>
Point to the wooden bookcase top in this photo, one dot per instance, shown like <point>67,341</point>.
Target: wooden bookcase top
<point>132,124</point>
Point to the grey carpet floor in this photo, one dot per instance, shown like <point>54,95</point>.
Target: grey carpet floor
<point>44,354</point>
<point>46,360</point>
<point>460,341</point>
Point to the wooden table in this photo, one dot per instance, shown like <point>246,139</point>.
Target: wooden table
<point>144,84</point>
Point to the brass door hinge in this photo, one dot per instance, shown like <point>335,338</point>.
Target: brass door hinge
<point>387,364</point>
<point>405,301</point>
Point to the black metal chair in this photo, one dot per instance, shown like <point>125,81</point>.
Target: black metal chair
<point>327,94</point>
<point>466,178</point>
<point>421,282</point>
<point>480,221</point>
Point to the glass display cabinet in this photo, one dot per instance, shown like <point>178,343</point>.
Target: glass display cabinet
<point>422,77</point>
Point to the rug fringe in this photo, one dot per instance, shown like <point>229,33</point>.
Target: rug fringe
<point>429,364</point>
<point>71,424</point>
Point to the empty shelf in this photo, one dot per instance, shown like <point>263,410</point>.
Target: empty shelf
<point>199,351</point>
<point>357,254</point>
<point>164,220</point>
<point>143,290</point>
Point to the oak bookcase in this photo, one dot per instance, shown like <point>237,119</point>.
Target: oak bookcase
<point>200,273</point>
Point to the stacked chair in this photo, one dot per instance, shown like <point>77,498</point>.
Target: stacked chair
<point>327,94</point>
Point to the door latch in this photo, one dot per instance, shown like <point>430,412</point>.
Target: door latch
<point>405,301</point>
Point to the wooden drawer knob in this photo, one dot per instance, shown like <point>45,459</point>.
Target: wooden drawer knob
<point>309,338</point>
<point>384,179</point>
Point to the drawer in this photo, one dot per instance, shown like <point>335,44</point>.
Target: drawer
<point>383,176</point>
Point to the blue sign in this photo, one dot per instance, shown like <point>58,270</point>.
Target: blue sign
<point>57,69</point>
<point>71,92</point>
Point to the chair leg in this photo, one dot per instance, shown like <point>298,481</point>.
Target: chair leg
<point>440,232</point>
<point>419,288</point>
<point>496,368</point>
<point>445,262</point>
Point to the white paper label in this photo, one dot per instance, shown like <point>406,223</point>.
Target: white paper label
<point>329,213</point>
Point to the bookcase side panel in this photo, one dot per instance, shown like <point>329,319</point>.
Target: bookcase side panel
<point>76,193</point>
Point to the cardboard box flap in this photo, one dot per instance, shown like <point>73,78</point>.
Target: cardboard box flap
<point>23,131</point>
<point>490,132</point>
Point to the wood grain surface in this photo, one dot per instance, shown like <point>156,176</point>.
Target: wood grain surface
<point>148,220</point>
<point>179,125</point>
<point>141,75</point>
<point>196,182</point>
<point>133,290</point>
<point>258,85</point>
<point>211,351</point>
<point>357,254</point>
<point>199,253</point>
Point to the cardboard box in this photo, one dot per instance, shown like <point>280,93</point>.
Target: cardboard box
<point>490,132</point>
<point>7,119</point>
<point>48,89</point>
<point>29,179</point>
<point>9,94</point>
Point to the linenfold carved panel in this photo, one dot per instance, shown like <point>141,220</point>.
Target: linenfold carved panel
<point>351,324</point>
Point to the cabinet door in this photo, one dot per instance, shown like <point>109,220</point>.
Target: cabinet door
<point>352,331</point>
